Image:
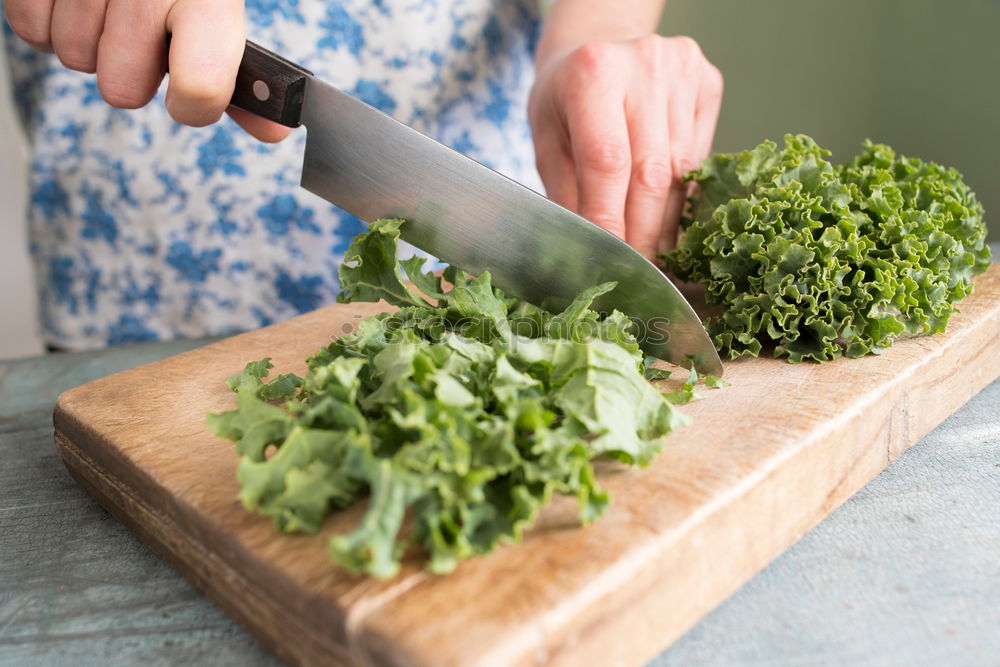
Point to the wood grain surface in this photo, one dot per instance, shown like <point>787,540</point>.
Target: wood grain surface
<point>764,461</point>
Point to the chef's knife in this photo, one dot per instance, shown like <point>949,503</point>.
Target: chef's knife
<point>373,166</point>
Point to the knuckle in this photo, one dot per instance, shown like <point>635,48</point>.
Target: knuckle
<point>688,47</point>
<point>605,157</point>
<point>650,47</point>
<point>29,28</point>
<point>122,93</point>
<point>77,58</point>
<point>592,58</point>
<point>209,82</point>
<point>653,173</point>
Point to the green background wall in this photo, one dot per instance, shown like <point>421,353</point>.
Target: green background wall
<point>920,75</point>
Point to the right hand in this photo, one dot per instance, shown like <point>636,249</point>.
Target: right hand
<point>125,43</point>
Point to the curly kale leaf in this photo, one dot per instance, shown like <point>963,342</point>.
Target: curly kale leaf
<point>459,420</point>
<point>823,261</point>
<point>370,270</point>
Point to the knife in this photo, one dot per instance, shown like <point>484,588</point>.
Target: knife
<point>464,213</point>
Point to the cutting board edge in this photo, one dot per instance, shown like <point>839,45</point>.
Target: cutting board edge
<point>206,571</point>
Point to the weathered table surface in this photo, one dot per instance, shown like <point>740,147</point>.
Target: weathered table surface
<point>906,572</point>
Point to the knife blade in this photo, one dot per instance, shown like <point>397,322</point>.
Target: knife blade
<point>464,213</point>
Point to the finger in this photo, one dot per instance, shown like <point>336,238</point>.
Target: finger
<point>684,158</point>
<point>261,128</point>
<point>677,194</point>
<point>595,119</point>
<point>205,53</point>
<point>130,54</point>
<point>708,103</point>
<point>676,199</point>
<point>681,119</point>
<point>652,172</point>
<point>555,167</point>
<point>76,31</point>
<point>30,20</point>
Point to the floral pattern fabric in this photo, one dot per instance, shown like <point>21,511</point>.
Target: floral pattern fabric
<point>143,229</point>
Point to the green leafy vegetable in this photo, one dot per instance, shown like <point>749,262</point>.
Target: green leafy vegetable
<point>657,374</point>
<point>713,382</point>
<point>460,415</point>
<point>823,261</point>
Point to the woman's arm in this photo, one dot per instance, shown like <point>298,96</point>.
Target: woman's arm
<point>573,23</point>
<point>619,114</point>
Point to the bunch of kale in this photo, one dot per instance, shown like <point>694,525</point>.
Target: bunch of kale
<point>464,409</point>
<point>822,260</point>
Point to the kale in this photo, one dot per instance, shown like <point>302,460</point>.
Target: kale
<point>822,261</point>
<point>460,415</point>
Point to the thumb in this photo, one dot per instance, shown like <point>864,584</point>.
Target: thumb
<point>260,128</point>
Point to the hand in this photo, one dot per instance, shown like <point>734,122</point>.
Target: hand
<point>617,124</point>
<point>124,42</point>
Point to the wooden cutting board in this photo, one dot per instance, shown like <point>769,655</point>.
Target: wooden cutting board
<point>763,462</point>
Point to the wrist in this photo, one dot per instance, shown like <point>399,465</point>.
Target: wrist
<point>573,23</point>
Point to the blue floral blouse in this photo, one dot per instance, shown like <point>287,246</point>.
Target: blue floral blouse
<point>143,229</point>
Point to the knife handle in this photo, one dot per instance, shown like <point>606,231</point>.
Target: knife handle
<point>269,86</point>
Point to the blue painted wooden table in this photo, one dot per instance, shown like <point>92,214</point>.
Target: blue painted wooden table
<point>906,572</point>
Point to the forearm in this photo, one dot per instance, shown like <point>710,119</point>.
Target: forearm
<point>572,23</point>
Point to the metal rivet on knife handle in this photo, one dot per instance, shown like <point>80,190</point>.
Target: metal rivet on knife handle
<point>269,86</point>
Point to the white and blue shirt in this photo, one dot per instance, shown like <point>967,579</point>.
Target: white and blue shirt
<point>143,229</point>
